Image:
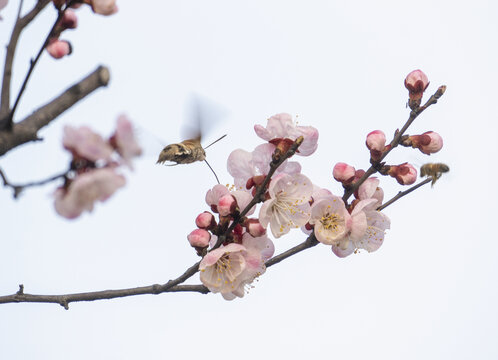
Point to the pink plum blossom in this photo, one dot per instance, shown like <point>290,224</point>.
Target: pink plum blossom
<point>58,48</point>
<point>343,172</point>
<point>199,238</point>
<point>85,190</point>
<point>370,190</point>
<point>288,206</point>
<point>213,196</point>
<point>429,142</point>
<point>85,143</point>
<point>3,3</point>
<point>243,165</point>
<point>124,141</point>
<point>405,174</point>
<point>229,269</point>
<point>281,126</point>
<point>373,235</point>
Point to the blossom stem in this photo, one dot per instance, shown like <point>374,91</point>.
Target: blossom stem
<point>395,142</point>
<point>406,192</point>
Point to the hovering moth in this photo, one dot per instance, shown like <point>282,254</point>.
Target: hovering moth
<point>190,150</point>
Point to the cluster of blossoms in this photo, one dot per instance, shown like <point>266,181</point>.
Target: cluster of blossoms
<point>58,48</point>
<point>93,173</point>
<point>235,247</point>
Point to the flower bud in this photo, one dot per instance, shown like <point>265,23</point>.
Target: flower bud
<point>404,173</point>
<point>226,205</point>
<point>199,238</point>
<point>343,173</point>
<point>58,48</point>
<point>376,143</point>
<point>69,20</point>
<point>416,82</point>
<point>429,142</point>
<point>254,227</point>
<point>205,220</point>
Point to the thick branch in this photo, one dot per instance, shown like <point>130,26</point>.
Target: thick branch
<point>19,26</point>
<point>27,129</point>
<point>395,142</point>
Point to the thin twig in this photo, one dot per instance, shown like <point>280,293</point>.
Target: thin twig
<point>17,189</point>
<point>395,142</point>
<point>403,193</point>
<point>19,26</point>
<point>33,63</point>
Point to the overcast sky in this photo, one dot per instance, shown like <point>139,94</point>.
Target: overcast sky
<point>430,292</point>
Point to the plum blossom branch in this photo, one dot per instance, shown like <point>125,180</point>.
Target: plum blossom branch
<point>27,129</point>
<point>17,189</point>
<point>19,26</point>
<point>277,160</point>
<point>395,142</point>
<point>7,122</point>
<point>403,193</point>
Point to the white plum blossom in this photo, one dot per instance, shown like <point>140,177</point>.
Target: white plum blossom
<point>330,219</point>
<point>243,165</point>
<point>288,206</point>
<point>281,126</point>
<point>229,269</point>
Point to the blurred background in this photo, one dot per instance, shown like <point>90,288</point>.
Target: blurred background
<point>429,292</point>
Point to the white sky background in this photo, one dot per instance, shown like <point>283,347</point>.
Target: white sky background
<point>430,292</point>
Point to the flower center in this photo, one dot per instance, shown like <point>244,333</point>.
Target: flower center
<point>331,221</point>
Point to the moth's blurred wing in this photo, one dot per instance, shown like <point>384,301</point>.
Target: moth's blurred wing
<point>203,115</point>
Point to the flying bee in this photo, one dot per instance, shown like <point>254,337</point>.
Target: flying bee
<point>435,170</point>
<point>190,150</point>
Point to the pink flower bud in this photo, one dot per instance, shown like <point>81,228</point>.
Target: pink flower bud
<point>416,82</point>
<point>205,220</point>
<point>429,142</point>
<point>376,143</point>
<point>58,48</point>
<point>69,20</point>
<point>343,173</point>
<point>199,238</point>
<point>104,7</point>
<point>254,228</point>
<point>404,173</point>
<point>227,205</point>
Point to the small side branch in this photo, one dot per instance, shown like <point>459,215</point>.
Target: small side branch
<point>403,193</point>
<point>17,189</point>
<point>395,142</point>
<point>27,130</point>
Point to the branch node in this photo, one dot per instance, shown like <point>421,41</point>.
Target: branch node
<point>21,290</point>
<point>63,302</point>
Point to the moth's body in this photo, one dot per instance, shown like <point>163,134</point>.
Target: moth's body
<point>186,152</point>
<point>435,170</point>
